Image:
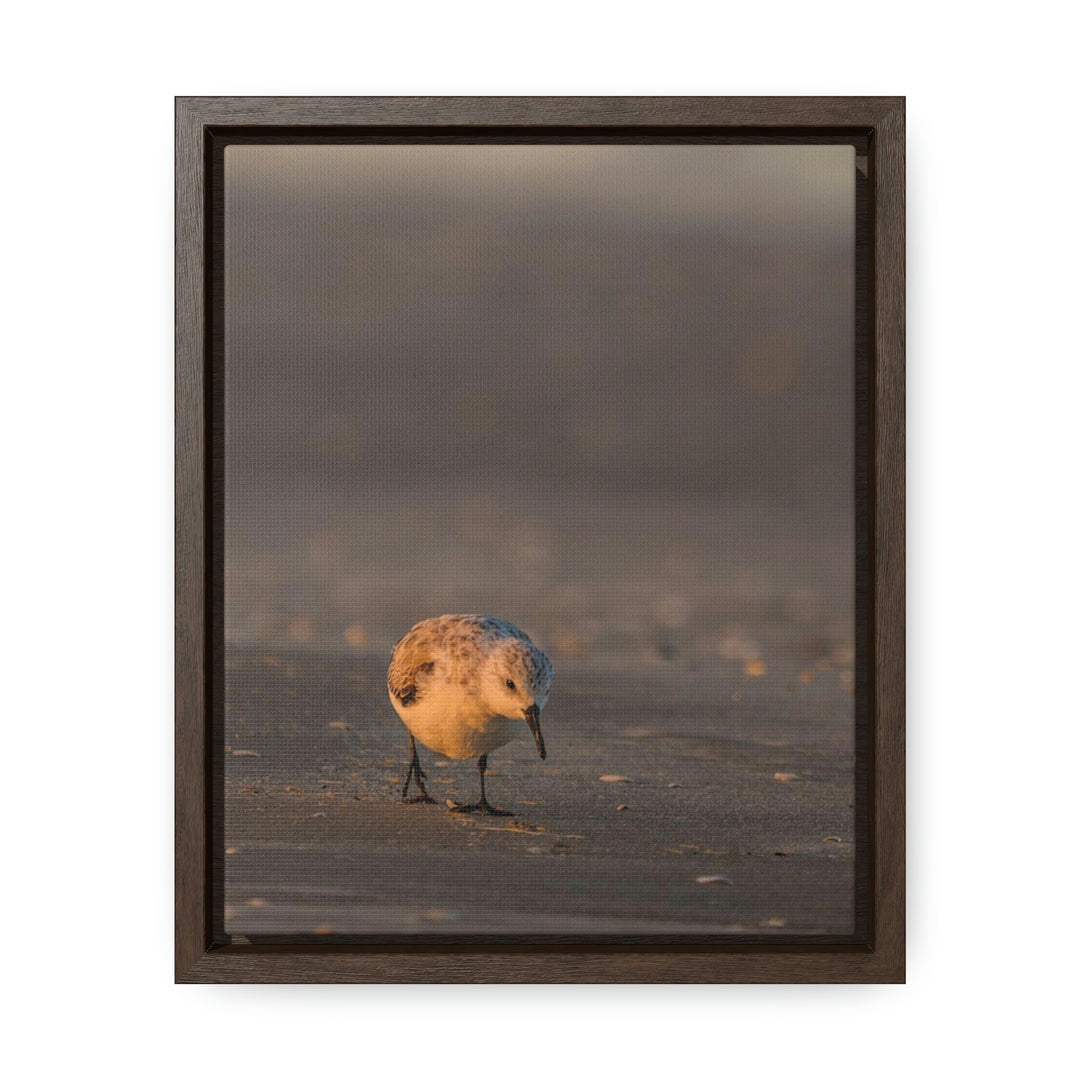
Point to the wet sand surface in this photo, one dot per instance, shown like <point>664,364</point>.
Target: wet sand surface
<point>732,811</point>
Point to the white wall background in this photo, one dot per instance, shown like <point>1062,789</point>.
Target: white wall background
<point>992,602</point>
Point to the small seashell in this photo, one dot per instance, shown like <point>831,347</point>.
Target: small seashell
<point>439,915</point>
<point>714,879</point>
<point>622,806</point>
<point>784,777</point>
<point>614,778</point>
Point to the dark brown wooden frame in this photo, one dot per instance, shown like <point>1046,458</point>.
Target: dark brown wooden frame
<point>880,120</point>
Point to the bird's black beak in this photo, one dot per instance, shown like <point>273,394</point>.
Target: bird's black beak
<point>532,718</point>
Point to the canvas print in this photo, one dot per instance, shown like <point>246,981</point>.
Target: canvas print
<point>540,527</point>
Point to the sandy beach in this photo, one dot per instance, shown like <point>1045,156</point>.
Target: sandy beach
<point>669,804</point>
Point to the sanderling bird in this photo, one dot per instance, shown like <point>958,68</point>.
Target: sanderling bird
<point>462,684</point>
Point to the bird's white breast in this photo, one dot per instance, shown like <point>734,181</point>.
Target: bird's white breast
<point>452,721</point>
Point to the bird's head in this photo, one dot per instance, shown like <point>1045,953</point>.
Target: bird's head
<point>517,683</point>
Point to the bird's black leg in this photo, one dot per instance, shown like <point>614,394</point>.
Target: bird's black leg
<point>483,806</point>
<point>415,770</point>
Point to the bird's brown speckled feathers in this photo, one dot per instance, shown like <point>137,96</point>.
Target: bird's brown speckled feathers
<point>460,643</point>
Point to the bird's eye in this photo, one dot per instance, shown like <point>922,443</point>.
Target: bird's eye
<point>510,684</point>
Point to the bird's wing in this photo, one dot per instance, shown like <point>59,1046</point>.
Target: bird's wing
<point>410,669</point>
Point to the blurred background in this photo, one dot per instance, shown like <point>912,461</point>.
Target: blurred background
<point>605,392</point>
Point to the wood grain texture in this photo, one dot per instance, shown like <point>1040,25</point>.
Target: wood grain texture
<point>196,959</point>
<point>632,112</point>
<point>191,713</point>
<point>887,450</point>
<point>701,964</point>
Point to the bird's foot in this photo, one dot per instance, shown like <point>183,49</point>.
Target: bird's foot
<point>481,808</point>
<point>423,797</point>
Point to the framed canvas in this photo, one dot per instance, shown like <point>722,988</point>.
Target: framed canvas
<point>539,539</point>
